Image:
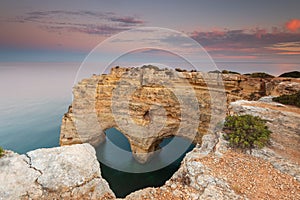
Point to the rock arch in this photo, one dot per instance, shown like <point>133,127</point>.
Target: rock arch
<point>151,104</point>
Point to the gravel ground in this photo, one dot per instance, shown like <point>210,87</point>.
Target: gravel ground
<point>254,177</point>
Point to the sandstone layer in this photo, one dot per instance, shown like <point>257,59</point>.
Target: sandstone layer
<point>148,104</point>
<point>70,172</point>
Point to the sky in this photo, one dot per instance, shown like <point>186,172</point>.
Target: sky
<point>231,31</point>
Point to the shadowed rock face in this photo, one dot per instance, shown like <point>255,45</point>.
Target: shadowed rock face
<point>149,104</point>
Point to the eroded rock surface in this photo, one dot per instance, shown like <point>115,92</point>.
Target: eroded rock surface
<point>70,172</point>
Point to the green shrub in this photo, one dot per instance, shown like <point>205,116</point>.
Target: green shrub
<point>293,74</point>
<point>260,75</point>
<point>293,99</point>
<point>180,70</point>
<point>246,131</point>
<point>215,71</point>
<point>1,152</point>
<point>229,72</point>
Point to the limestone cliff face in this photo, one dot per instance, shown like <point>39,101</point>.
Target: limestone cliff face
<point>149,104</point>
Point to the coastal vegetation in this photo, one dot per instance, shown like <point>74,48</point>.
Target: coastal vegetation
<point>223,72</point>
<point>229,72</point>
<point>260,75</point>
<point>292,99</point>
<point>246,131</point>
<point>293,74</point>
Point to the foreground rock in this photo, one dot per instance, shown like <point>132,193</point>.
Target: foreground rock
<point>70,172</point>
<point>214,171</point>
<point>149,104</point>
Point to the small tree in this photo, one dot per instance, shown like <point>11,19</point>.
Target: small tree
<point>246,131</point>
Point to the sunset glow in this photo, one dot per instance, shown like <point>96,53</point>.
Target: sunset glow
<point>293,25</point>
<point>228,32</point>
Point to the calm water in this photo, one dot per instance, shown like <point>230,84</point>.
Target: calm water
<point>34,97</point>
<point>125,175</point>
<point>31,125</point>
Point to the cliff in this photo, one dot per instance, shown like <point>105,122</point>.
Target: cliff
<point>149,104</point>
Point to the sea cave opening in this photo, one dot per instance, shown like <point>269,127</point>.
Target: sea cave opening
<point>125,175</point>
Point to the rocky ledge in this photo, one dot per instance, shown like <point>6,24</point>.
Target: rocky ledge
<point>70,172</point>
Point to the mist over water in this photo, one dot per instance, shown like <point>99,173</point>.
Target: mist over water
<point>34,97</point>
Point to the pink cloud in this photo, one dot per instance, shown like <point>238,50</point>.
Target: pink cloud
<point>289,53</point>
<point>249,43</point>
<point>293,25</point>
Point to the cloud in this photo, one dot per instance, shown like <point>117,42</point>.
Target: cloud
<point>248,42</point>
<point>88,22</point>
<point>287,48</point>
<point>42,14</point>
<point>293,25</point>
<point>96,29</point>
<point>224,43</point>
<point>127,20</point>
